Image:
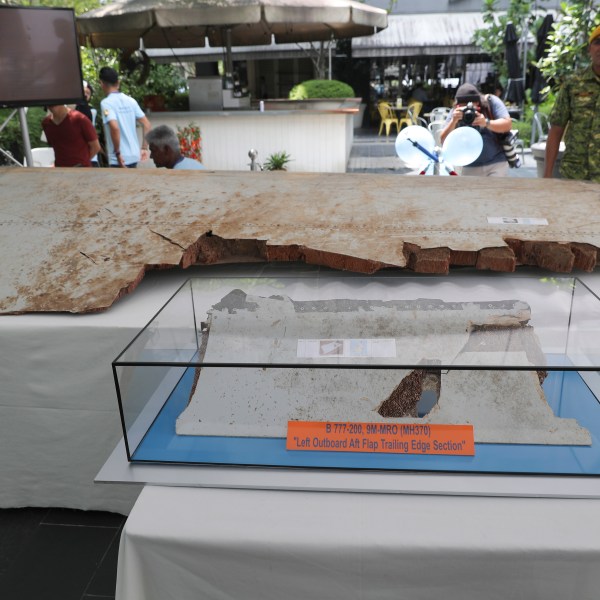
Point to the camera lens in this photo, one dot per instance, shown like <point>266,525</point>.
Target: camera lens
<point>469,114</point>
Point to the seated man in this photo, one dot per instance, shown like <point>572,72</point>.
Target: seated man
<point>71,135</point>
<point>165,151</point>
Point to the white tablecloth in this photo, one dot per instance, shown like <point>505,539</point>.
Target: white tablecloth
<point>59,418</point>
<point>190,543</point>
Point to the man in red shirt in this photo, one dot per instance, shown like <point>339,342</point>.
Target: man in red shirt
<point>71,135</point>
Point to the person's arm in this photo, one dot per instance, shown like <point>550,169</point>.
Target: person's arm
<point>47,133</point>
<point>499,120</point>
<point>455,116</point>
<point>559,119</point>
<point>94,147</point>
<point>90,136</point>
<point>555,135</point>
<point>146,126</point>
<point>500,125</point>
<point>115,136</point>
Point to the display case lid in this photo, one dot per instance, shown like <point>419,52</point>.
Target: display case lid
<point>375,322</point>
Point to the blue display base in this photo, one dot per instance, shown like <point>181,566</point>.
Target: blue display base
<point>566,393</point>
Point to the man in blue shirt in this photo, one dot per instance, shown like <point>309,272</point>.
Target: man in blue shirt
<point>120,116</point>
<point>490,119</point>
<point>165,150</point>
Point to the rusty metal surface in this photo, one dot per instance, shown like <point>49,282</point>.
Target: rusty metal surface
<point>77,239</point>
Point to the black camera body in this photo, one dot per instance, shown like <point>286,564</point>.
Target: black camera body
<point>469,114</point>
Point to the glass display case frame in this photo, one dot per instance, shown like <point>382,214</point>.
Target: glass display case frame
<point>193,342</point>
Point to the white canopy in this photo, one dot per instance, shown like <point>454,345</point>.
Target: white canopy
<point>443,34</point>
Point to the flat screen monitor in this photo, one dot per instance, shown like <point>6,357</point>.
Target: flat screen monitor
<point>39,57</point>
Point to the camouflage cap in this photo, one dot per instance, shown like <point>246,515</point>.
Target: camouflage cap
<point>595,34</point>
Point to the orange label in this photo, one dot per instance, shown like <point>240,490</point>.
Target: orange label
<point>395,438</point>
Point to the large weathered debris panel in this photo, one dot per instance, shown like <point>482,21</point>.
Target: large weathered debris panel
<point>77,239</point>
<point>505,406</point>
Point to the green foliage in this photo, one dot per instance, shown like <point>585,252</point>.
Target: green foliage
<point>569,40</point>
<point>179,102</point>
<point>321,88</point>
<point>277,161</point>
<point>491,37</point>
<point>163,80</point>
<point>11,139</point>
<point>525,124</point>
<point>80,6</point>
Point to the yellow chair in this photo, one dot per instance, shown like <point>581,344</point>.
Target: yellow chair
<point>387,118</point>
<point>412,114</point>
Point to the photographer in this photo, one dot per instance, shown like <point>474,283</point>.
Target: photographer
<point>490,117</point>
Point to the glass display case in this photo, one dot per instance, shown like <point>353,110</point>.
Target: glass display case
<point>346,372</point>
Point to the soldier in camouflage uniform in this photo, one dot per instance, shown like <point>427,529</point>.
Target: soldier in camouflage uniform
<point>578,106</point>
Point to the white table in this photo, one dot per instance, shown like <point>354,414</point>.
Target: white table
<point>59,418</point>
<point>190,543</point>
<point>215,543</point>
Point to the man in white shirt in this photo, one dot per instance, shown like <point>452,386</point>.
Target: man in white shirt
<point>165,150</point>
<point>120,116</point>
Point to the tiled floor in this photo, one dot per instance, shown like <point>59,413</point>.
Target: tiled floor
<point>58,554</point>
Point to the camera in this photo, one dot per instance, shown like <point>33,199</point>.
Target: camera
<point>469,114</point>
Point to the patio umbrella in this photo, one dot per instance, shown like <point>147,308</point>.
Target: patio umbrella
<point>515,89</point>
<point>540,51</point>
<point>188,23</point>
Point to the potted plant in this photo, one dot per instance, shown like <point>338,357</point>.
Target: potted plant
<point>321,88</point>
<point>320,94</point>
<point>158,89</point>
<point>277,161</point>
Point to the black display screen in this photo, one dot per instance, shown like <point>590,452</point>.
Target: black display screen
<point>39,57</point>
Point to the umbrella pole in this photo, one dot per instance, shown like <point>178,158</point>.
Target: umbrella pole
<point>25,134</point>
<point>228,54</point>
<point>525,32</point>
<point>330,44</point>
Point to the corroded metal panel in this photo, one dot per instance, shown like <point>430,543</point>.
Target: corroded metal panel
<point>77,239</point>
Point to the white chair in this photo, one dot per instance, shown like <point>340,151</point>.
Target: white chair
<point>438,114</point>
<point>436,128</point>
<point>539,128</point>
<point>42,157</point>
<point>517,141</point>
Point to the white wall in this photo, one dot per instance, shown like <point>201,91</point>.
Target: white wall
<point>318,141</point>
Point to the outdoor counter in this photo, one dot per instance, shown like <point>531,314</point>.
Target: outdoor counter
<point>317,140</point>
